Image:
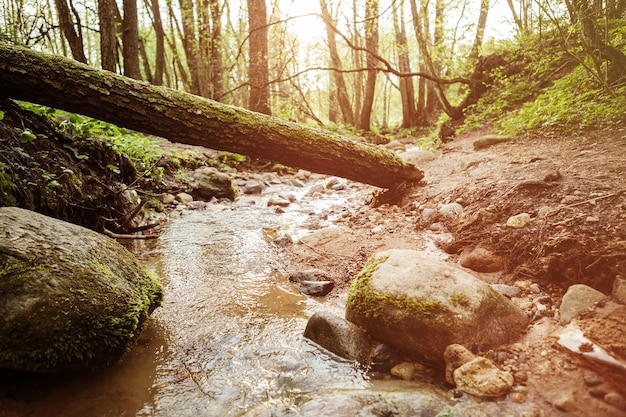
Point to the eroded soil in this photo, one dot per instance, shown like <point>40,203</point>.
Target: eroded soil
<point>572,187</point>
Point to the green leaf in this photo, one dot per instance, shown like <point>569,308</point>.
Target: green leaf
<point>27,136</point>
<point>1,115</point>
<point>114,168</point>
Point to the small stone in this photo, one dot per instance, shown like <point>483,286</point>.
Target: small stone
<point>592,219</point>
<point>451,210</point>
<point>592,379</point>
<point>378,229</point>
<point>481,260</point>
<point>480,377</point>
<point>278,201</point>
<point>619,289</point>
<point>316,189</point>
<point>597,392</point>
<point>507,290</point>
<point>534,288</point>
<point>518,221</point>
<point>427,214</point>
<point>518,397</point>
<point>331,182</point>
<point>184,198</point>
<point>314,275</point>
<point>253,187</point>
<point>404,370</point>
<point>316,288</point>
<point>339,187</point>
<point>577,299</point>
<point>455,356</point>
<point>168,198</point>
<point>564,401</point>
<point>520,376</point>
<point>616,400</point>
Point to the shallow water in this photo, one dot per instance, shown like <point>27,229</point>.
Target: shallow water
<point>228,336</point>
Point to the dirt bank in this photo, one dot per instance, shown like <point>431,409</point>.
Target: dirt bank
<point>572,188</point>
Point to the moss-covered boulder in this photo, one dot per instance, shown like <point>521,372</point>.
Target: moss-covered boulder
<point>70,298</point>
<point>419,305</point>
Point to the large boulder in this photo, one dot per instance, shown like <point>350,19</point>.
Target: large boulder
<point>419,305</point>
<point>70,298</point>
<point>208,182</point>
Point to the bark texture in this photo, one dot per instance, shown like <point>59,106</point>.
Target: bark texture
<point>62,83</point>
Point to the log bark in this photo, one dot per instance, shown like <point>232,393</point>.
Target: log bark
<point>180,117</point>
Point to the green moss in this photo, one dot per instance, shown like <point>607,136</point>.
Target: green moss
<point>459,299</point>
<point>372,303</point>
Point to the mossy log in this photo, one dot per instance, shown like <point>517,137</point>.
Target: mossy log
<point>180,117</point>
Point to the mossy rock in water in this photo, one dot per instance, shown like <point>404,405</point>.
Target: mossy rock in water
<point>419,305</point>
<point>70,298</point>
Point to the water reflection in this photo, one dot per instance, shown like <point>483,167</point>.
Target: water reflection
<point>234,324</point>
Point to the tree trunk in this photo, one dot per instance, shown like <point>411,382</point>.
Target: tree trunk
<point>108,39</point>
<point>130,40</point>
<point>371,44</point>
<point>181,117</point>
<point>340,95</point>
<point>407,92</point>
<point>216,65</point>
<point>159,33</point>
<point>74,38</point>
<point>480,31</point>
<point>258,72</point>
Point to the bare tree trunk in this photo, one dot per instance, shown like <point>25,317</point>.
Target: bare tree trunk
<point>216,70</point>
<point>108,38</point>
<point>258,72</point>
<point>480,31</point>
<point>159,33</point>
<point>130,40</point>
<point>181,117</point>
<point>72,33</point>
<point>340,94</point>
<point>371,44</point>
<point>407,92</point>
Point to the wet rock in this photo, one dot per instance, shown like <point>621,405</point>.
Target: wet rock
<point>208,182</point>
<point>339,187</point>
<point>519,221</point>
<point>619,289</point>
<point>331,183</point>
<point>316,288</point>
<point>384,358</point>
<point>184,198</point>
<point>253,187</point>
<point>481,259</point>
<point>455,356</point>
<point>72,299</point>
<point>303,175</point>
<point>420,305</point>
<point>339,336</point>
<point>577,299</point>
<point>480,377</point>
<point>308,275</point>
<point>278,201</point>
<point>427,214</point>
<point>489,140</point>
<point>316,189</point>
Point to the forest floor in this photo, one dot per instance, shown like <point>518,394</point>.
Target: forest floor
<point>573,188</point>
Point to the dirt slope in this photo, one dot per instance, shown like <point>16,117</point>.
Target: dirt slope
<point>573,189</point>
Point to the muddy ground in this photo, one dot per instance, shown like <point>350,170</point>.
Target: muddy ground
<point>573,189</point>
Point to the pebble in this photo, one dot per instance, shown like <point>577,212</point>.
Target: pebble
<point>518,397</point>
<point>616,400</point>
<point>507,290</point>
<point>592,379</point>
<point>597,392</point>
<point>452,209</point>
<point>519,221</point>
<point>404,370</point>
<point>520,376</point>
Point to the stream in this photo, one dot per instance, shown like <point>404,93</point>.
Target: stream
<point>227,340</point>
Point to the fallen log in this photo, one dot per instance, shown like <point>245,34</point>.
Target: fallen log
<point>180,117</point>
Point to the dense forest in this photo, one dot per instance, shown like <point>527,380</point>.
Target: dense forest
<point>370,65</point>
